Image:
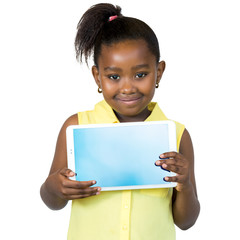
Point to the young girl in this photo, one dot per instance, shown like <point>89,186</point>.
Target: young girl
<point>126,70</point>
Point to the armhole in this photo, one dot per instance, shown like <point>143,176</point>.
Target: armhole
<point>179,130</point>
<point>79,117</point>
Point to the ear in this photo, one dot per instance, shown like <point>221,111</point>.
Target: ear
<point>96,76</point>
<point>160,69</point>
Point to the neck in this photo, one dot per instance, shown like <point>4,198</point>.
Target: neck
<point>138,118</point>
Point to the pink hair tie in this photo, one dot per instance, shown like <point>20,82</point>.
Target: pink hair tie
<point>112,18</point>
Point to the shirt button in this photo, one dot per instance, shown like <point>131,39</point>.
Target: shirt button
<point>126,206</point>
<point>124,227</point>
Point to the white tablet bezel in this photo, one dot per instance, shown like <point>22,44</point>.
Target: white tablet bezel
<point>172,147</point>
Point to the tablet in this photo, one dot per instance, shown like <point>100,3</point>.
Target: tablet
<point>121,156</point>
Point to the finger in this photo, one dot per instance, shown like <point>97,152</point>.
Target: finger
<point>77,191</point>
<point>67,172</point>
<point>78,184</point>
<point>165,169</point>
<point>170,168</point>
<point>170,164</point>
<point>82,194</point>
<point>168,155</point>
<point>173,168</point>
<point>177,178</point>
<point>171,179</point>
<point>178,160</point>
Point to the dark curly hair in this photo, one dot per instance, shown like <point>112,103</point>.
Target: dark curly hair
<point>95,29</point>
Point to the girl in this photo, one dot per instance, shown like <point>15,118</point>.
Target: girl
<point>126,70</point>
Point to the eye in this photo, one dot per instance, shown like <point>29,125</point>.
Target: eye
<point>141,75</point>
<point>114,77</point>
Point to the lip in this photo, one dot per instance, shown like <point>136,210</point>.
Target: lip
<point>129,101</point>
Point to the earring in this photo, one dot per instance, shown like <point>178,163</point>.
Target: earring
<point>157,85</point>
<point>99,90</point>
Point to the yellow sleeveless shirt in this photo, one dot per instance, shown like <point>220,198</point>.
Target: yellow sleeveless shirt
<point>123,215</point>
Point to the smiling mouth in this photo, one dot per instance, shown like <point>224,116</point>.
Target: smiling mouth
<point>129,100</point>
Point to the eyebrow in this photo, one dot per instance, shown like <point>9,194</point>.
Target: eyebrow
<point>141,66</point>
<point>113,69</point>
<point>133,68</point>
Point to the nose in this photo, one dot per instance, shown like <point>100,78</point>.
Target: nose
<point>127,87</point>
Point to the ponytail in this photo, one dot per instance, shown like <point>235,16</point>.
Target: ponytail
<point>90,27</point>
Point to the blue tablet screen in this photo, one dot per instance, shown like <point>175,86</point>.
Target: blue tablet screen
<point>121,156</point>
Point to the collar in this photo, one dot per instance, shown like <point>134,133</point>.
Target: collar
<point>105,114</point>
<point>156,113</point>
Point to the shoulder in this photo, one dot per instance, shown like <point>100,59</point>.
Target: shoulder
<point>72,120</point>
<point>60,157</point>
<point>186,139</point>
<point>186,146</point>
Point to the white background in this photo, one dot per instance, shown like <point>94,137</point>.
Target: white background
<point>42,84</point>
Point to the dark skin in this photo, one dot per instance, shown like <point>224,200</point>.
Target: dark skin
<point>58,188</point>
<point>186,206</point>
<point>127,74</point>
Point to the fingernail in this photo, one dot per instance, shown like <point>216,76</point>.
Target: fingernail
<point>164,165</point>
<point>98,191</point>
<point>157,163</point>
<point>161,156</point>
<point>167,179</point>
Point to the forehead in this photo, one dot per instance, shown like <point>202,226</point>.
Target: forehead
<point>126,53</point>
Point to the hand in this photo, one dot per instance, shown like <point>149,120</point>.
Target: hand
<point>177,163</point>
<point>66,189</point>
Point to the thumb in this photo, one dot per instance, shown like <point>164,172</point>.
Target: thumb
<point>67,172</point>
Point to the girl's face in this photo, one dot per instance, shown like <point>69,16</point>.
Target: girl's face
<point>127,73</point>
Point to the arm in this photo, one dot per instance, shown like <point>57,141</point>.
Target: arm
<point>58,188</point>
<point>186,206</point>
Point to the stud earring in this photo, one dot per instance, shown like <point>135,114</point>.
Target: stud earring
<point>157,85</point>
<point>99,90</point>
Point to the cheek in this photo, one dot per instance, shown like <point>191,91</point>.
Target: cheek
<point>104,82</point>
<point>108,88</point>
<point>148,87</point>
